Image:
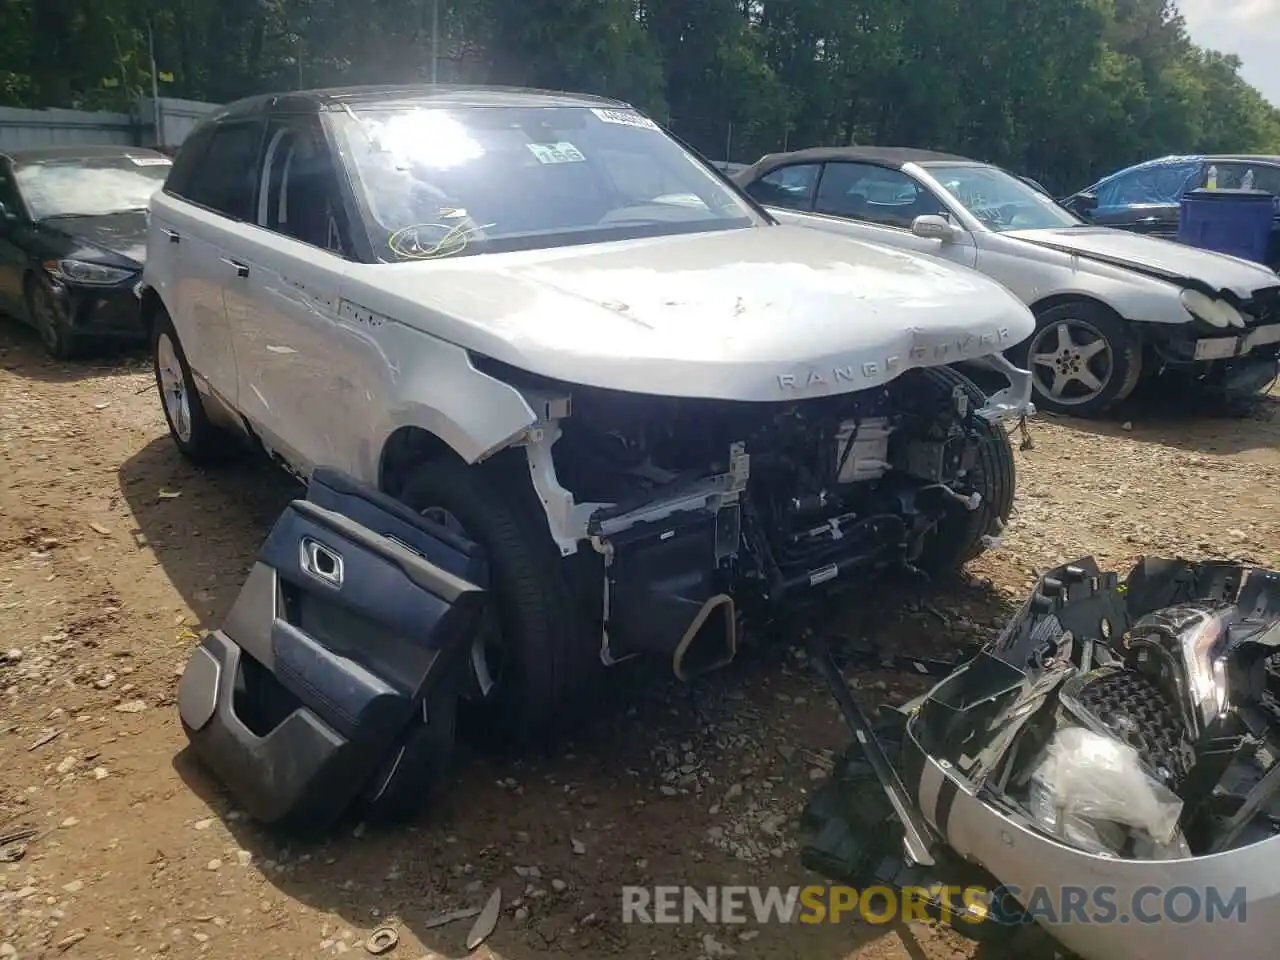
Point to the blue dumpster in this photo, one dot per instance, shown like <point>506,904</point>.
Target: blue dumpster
<point>1237,222</point>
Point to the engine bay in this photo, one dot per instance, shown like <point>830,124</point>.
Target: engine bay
<point>833,481</point>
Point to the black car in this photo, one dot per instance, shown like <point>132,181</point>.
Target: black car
<point>73,235</point>
<point>1147,197</point>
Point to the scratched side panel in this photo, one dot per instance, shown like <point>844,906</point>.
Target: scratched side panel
<point>296,383</point>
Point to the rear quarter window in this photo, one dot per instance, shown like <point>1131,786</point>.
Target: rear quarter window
<point>223,178</point>
<point>188,157</point>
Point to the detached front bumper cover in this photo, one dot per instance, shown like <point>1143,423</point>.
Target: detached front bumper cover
<point>1172,670</point>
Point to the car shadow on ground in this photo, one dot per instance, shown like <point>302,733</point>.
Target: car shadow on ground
<point>1191,421</point>
<point>22,353</point>
<point>560,836</point>
<point>593,813</point>
<point>204,525</point>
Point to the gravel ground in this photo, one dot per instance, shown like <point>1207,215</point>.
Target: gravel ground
<point>114,555</point>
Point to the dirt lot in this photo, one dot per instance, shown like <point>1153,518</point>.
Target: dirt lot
<point>114,554</point>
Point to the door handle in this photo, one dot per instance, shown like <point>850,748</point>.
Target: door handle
<point>173,235</point>
<point>242,269</point>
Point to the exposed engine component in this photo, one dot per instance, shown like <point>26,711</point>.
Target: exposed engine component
<point>703,501</point>
<point>1121,736</point>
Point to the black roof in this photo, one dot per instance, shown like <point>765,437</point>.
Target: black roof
<point>895,157</point>
<point>311,101</point>
<point>76,152</point>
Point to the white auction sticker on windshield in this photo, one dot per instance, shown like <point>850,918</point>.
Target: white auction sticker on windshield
<point>626,118</point>
<point>562,152</point>
<point>152,161</point>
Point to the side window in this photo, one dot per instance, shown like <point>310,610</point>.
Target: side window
<point>790,187</point>
<point>299,194</point>
<point>1231,176</point>
<point>224,178</point>
<point>862,191</point>
<point>188,158</point>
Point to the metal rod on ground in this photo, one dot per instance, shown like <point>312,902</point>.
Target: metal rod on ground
<point>915,830</point>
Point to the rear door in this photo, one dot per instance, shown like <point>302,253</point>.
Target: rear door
<point>194,225</point>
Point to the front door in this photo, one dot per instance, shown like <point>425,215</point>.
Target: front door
<point>1147,199</point>
<point>879,204</point>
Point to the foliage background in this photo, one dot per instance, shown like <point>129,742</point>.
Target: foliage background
<point>1062,90</point>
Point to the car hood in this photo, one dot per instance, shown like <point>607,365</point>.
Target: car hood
<point>763,313</point>
<point>123,234</point>
<point>1214,273</point>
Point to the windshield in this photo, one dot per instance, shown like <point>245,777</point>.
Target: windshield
<point>442,182</point>
<point>90,187</point>
<point>1001,201</point>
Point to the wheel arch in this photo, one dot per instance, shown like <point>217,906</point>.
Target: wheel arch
<point>150,307</point>
<point>1045,304</point>
<point>406,448</point>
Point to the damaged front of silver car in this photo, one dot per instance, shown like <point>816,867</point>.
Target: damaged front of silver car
<point>1106,768</point>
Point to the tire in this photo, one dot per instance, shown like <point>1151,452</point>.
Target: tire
<point>55,333</point>
<point>959,535</point>
<point>1083,320</point>
<point>550,647</point>
<point>196,437</point>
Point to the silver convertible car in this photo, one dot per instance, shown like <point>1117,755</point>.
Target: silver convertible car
<point>1112,307</point>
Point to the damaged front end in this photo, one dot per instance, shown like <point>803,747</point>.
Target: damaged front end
<point>697,508</point>
<point>1116,746</point>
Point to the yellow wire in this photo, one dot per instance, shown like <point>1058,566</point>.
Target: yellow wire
<point>455,240</point>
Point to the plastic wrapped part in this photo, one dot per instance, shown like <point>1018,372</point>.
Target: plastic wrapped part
<point>1087,776</point>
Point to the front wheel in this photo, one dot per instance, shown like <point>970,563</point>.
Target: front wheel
<point>1083,359</point>
<point>962,534</point>
<point>51,323</point>
<point>537,664</point>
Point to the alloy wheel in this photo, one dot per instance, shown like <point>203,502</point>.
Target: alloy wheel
<point>1071,361</point>
<point>173,388</point>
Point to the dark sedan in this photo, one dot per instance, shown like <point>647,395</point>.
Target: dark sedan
<point>73,234</point>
